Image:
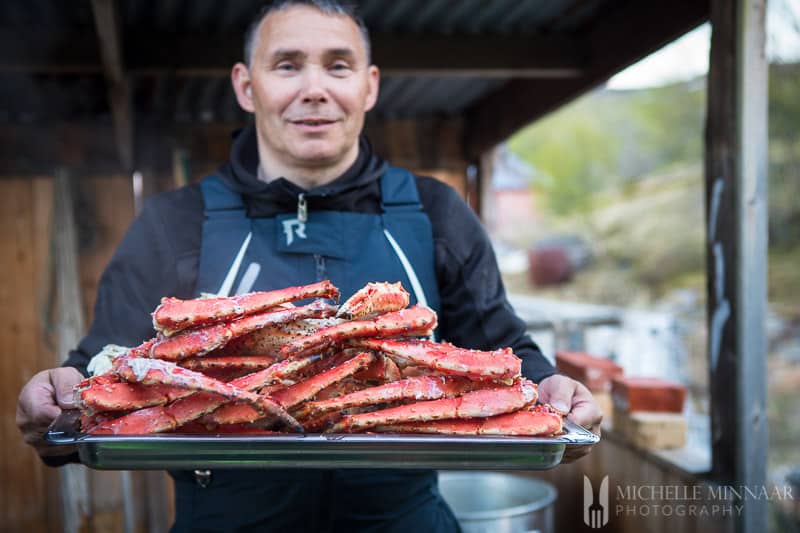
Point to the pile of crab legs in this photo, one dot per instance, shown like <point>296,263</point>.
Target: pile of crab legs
<point>260,364</point>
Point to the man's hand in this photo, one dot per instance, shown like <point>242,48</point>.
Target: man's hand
<point>574,400</point>
<point>41,401</point>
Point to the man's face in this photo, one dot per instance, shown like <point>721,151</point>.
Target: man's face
<point>309,86</point>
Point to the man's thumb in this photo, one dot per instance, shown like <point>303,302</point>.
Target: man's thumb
<point>558,393</point>
<point>64,380</point>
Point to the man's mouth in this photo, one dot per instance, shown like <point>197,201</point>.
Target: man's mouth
<point>313,121</point>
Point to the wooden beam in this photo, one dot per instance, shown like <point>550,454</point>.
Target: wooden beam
<point>31,50</point>
<point>736,213</point>
<point>480,56</point>
<point>147,52</point>
<point>425,143</point>
<point>109,33</point>
<point>89,147</point>
<point>620,38</point>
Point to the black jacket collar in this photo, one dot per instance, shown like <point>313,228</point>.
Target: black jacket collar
<point>355,190</point>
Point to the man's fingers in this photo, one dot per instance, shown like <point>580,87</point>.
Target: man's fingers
<point>585,410</point>
<point>44,416</point>
<point>558,392</point>
<point>38,406</point>
<point>574,400</point>
<point>64,381</point>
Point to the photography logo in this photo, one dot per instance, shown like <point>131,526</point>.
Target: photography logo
<point>595,512</point>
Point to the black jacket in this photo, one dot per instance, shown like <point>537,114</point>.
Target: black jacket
<point>159,256</point>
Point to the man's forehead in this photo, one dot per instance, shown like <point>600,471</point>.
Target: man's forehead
<point>306,30</point>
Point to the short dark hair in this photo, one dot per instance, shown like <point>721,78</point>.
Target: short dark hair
<point>329,7</point>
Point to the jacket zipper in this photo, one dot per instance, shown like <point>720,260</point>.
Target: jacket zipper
<point>302,207</point>
<point>319,261</point>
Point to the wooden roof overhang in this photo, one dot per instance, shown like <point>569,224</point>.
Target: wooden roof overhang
<point>143,72</point>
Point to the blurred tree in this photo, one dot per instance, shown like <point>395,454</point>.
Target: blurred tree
<point>784,155</point>
<point>610,139</point>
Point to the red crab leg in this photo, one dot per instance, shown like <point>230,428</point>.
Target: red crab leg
<point>320,424</point>
<point>174,314</point>
<point>167,418</point>
<point>374,298</point>
<point>417,320</point>
<point>417,388</point>
<point>200,341</point>
<point>89,422</point>
<point>294,394</point>
<point>143,421</point>
<point>277,371</point>
<point>480,403</point>
<point>381,370</point>
<point>448,359</point>
<point>107,393</point>
<point>346,386</point>
<point>157,372</point>
<point>531,423</point>
<point>254,362</point>
<point>267,340</point>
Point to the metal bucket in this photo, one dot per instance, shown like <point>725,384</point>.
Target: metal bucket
<point>495,502</point>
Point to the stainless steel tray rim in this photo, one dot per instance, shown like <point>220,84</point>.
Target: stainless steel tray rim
<point>371,450</point>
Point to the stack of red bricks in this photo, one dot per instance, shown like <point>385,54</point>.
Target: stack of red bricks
<point>648,411</point>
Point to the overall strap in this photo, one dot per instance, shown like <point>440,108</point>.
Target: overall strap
<point>408,231</point>
<point>226,234</point>
<point>399,191</point>
<point>218,198</point>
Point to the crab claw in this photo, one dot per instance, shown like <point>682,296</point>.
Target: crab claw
<point>373,299</point>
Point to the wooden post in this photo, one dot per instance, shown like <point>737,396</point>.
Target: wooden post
<point>487,207</point>
<point>75,489</point>
<point>736,210</point>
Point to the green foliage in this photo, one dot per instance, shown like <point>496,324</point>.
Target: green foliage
<point>668,122</point>
<point>611,140</point>
<point>784,155</point>
<point>574,156</point>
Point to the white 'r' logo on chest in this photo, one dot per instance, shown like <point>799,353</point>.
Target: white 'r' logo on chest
<point>292,227</point>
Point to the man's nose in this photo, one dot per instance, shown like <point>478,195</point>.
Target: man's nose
<point>314,89</point>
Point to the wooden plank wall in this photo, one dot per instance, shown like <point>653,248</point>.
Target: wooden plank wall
<point>29,491</point>
<point>29,499</point>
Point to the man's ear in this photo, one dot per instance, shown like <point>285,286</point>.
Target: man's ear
<point>374,83</point>
<point>243,86</point>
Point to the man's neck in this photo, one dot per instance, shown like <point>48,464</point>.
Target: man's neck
<point>307,177</point>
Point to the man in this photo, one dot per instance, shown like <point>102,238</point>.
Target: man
<point>305,198</point>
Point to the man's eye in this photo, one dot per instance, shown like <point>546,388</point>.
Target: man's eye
<point>288,67</point>
<point>340,67</point>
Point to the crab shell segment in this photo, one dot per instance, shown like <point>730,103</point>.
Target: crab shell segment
<point>158,372</point>
<point>414,321</point>
<point>448,359</point>
<point>535,422</point>
<point>174,314</point>
<point>200,341</point>
<point>480,403</point>
<point>295,394</point>
<point>414,388</point>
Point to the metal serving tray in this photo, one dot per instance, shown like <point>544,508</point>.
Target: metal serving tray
<point>174,451</point>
